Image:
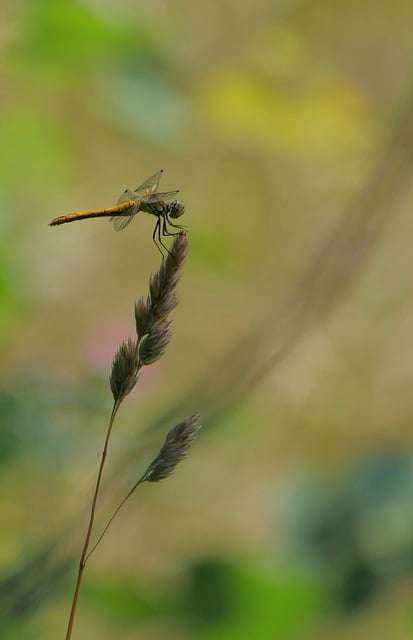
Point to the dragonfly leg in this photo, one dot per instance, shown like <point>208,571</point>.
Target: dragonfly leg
<point>157,228</point>
<point>158,240</point>
<point>172,224</point>
<point>165,230</point>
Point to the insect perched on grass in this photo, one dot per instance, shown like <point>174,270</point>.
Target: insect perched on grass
<point>144,198</point>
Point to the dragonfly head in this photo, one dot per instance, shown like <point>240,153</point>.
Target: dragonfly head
<point>176,209</point>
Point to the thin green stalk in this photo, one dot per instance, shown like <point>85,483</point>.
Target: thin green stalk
<point>84,554</point>
<point>113,516</point>
<point>173,450</point>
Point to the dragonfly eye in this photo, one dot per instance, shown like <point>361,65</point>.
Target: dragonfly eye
<point>176,209</point>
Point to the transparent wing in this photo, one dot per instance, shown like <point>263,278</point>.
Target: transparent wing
<point>126,195</point>
<point>161,195</point>
<point>121,222</point>
<point>150,185</point>
<point>146,190</point>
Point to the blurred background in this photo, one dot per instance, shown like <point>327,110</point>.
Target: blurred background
<point>288,127</point>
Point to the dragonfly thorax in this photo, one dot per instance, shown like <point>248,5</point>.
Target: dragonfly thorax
<point>176,209</point>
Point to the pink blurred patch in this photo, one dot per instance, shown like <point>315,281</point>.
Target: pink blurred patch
<point>102,346</point>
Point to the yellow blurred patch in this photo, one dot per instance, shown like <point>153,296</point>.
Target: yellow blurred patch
<point>330,117</point>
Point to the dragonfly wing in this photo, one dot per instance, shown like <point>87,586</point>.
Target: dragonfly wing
<point>124,217</point>
<point>160,195</point>
<point>126,195</point>
<point>121,222</point>
<point>150,185</point>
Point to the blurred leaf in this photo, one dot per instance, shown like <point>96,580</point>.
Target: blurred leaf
<point>21,419</point>
<point>69,34</point>
<point>119,597</point>
<point>38,579</point>
<point>8,435</point>
<point>28,422</point>
<point>148,103</point>
<point>245,601</point>
<point>359,527</point>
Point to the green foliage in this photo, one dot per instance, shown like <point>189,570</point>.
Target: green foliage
<point>226,601</point>
<point>121,598</point>
<point>67,35</point>
<point>10,418</point>
<point>34,143</point>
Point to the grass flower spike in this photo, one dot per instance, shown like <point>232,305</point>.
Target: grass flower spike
<point>153,334</point>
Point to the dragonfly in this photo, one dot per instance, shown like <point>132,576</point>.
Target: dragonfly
<point>145,198</point>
